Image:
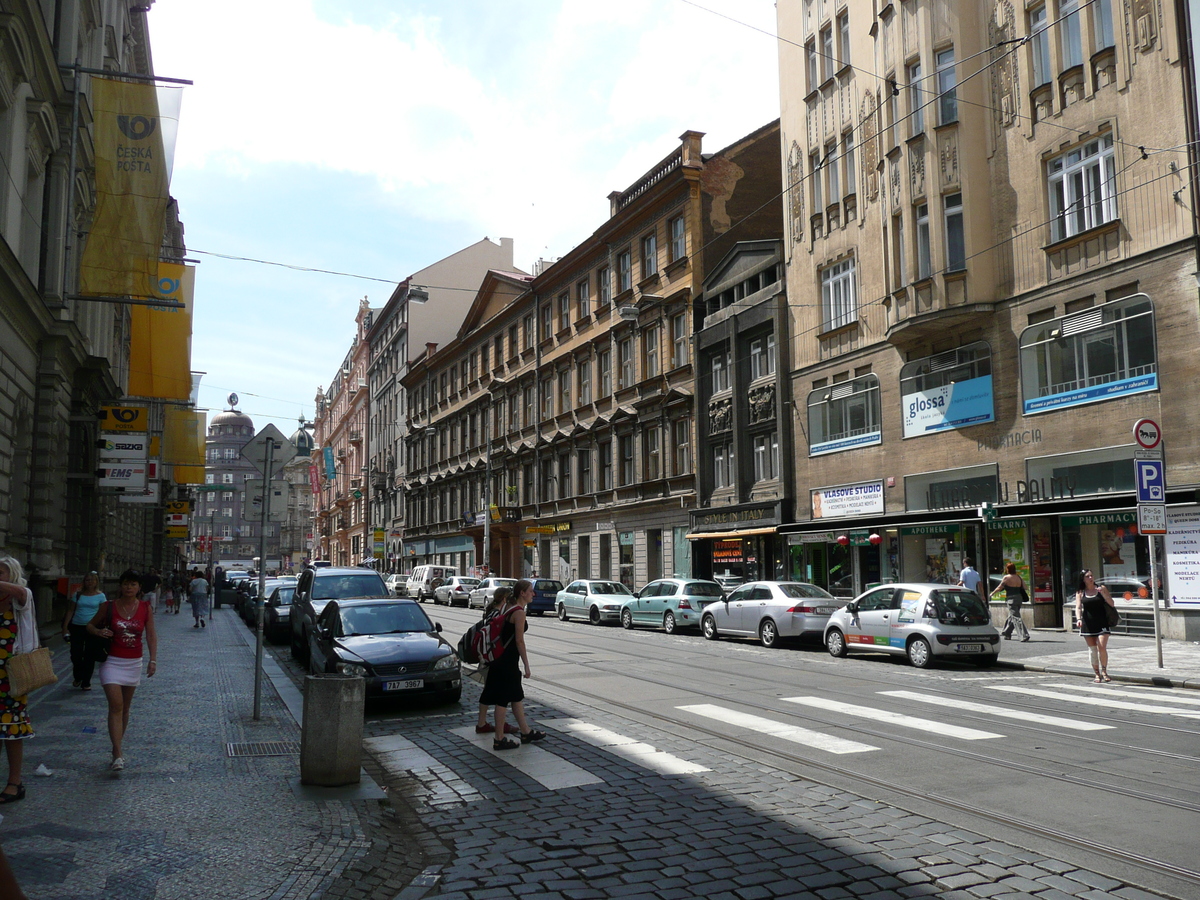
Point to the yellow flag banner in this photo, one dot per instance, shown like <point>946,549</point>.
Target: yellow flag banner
<point>120,258</point>
<point>183,444</point>
<point>160,339</point>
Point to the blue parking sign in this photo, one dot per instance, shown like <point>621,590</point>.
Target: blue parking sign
<point>1151,485</point>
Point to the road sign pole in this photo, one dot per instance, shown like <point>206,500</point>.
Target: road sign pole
<point>1154,596</point>
<point>262,580</point>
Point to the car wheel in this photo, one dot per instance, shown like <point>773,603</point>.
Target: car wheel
<point>297,652</point>
<point>626,620</point>
<point>562,612</point>
<point>708,625</point>
<point>768,633</point>
<point>669,624</point>
<point>919,653</point>
<point>835,643</point>
<point>594,615</point>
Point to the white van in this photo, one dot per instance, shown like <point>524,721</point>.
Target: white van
<point>424,579</point>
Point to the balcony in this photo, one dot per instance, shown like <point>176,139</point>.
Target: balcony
<point>930,309</point>
<point>356,437</point>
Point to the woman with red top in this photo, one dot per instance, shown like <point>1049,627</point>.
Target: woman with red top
<point>125,621</point>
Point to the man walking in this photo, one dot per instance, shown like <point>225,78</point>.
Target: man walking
<point>970,579</point>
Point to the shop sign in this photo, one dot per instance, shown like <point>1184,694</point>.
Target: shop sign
<point>813,537</point>
<point>116,446</point>
<point>124,418</point>
<point>860,538</point>
<point>930,529</point>
<point>1182,545</point>
<point>737,516</point>
<point>1107,391</point>
<point>177,532</point>
<point>625,538</point>
<point>957,405</point>
<point>539,529</point>
<point>848,500</point>
<point>606,526</point>
<point>1119,518</point>
<point>869,439</point>
<point>1001,524</point>
<point>727,551</point>
<point>1010,440</point>
<point>123,477</point>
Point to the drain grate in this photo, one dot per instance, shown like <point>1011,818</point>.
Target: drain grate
<point>262,748</point>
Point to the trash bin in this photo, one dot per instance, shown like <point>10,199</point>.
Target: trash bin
<point>331,734</point>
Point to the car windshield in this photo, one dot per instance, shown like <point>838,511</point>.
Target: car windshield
<point>339,587</point>
<point>608,587</point>
<point>546,585</point>
<point>384,619</point>
<point>703,589</point>
<point>959,608</point>
<point>284,595</point>
<point>800,590</point>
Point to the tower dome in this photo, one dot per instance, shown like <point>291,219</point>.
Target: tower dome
<point>231,421</point>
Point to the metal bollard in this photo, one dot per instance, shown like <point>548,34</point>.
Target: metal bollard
<point>331,735</point>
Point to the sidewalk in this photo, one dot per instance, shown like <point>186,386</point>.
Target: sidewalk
<point>187,818</point>
<point>1132,660</point>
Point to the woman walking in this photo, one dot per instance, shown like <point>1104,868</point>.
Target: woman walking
<point>18,634</point>
<point>503,686</point>
<point>81,610</point>
<point>1090,602</point>
<point>1014,595</point>
<point>128,623</point>
<point>198,593</point>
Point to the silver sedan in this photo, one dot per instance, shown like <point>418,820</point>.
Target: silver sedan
<point>770,611</point>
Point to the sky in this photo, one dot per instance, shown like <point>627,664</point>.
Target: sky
<point>374,138</point>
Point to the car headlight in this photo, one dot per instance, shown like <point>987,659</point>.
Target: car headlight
<point>449,661</point>
<point>345,668</point>
<point>611,607</point>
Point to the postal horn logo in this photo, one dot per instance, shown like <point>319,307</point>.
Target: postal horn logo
<point>136,128</point>
<point>125,414</point>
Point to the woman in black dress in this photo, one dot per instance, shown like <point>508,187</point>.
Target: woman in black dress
<point>503,685</point>
<point>1090,612</point>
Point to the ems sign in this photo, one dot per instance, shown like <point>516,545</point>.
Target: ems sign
<point>1151,485</point>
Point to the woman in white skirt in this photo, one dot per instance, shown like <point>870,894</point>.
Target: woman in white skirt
<point>128,622</point>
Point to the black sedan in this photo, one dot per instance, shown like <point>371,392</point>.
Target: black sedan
<point>389,642</point>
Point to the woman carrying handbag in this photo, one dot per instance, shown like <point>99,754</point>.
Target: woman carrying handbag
<point>18,634</point>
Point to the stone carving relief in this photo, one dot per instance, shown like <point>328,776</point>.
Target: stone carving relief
<point>1144,18</point>
<point>868,129</point>
<point>720,416</point>
<point>894,184</point>
<point>762,404</point>
<point>1006,88</point>
<point>916,170</point>
<point>948,159</point>
<point>795,187</point>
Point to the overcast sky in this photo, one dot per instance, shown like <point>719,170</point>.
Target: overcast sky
<point>375,137</point>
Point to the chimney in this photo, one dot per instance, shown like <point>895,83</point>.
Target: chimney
<point>691,149</point>
<point>430,348</point>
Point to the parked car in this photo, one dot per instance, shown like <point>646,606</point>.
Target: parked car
<point>424,579</point>
<point>389,642</point>
<point>729,582</point>
<point>545,593</point>
<point>316,587</point>
<point>671,602</point>
<point>770,611</point>
<point>396,583</point>
<point>276,621</point>
<point>481,594</point>
<point>249,607</point>
<point>596,601</point>
<point>455,590</point>
<point>921,621</point>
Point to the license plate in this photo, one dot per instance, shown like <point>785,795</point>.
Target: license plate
<point>826,610</point>
<point>413,685</point>
<point>970,648</point>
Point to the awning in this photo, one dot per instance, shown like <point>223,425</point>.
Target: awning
<point>737,532</point>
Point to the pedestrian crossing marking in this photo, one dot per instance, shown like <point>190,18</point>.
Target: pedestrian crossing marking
<point>628,748</point>
<point>793,733</point>
<point>1162,694</point>
<point>893,718</point>
<point>550,771</point>
<point>1106,702</point>
<point>998,711</point>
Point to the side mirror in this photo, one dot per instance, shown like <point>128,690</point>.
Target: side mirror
<point>437,626</point>
<point>852,608</point>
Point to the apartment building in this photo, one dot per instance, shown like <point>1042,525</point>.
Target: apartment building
<point>990,243</point>
<point>560,422</point>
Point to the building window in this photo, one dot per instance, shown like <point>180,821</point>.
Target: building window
<point>529,341</point>
<point>604,286</point>
<point>650,255</point>
<point>1082,188</point>
<point>624,271</point>
<point>956,248</point>
<point>1099,354</point>
<point>1102,24</point>
<point>625,448</point>
<point>678,240</point>
<point>564,391</point>
<point>604,362</point>
<point>839,295</point>
<point>814,170</point>
<point>547,480</point>
<point>899,276</point>
<point>650,343</point>
<point>231,453</point>
<point>227,512</point>
<point>583,300</point>
<point>1070,32</point>
<point>564,311</point>
<point>474,362</point>
<point>762,357</point>
<point>547,322</point>
<point>848,162</point>
<point>527,495</point>
<point>916,101</point>
<point>547,399</point>
<point>227,478</point>
<point>720,371</point>
<point>653,441</point>
<point>681,441</point>
<point>766,456</point>
<point>583,372</point>
<point>810,65</point>
<point>679,341</point>
<point>723,465</point>
<point>513,350</point>
<point>924,257</point>
<point>947,390</point>
<point>527,396</point>
<point>834,190</point>
<point>1039,46</point>
<point>583,469</point>
<point>564,476</point>
<point>625,361</point>
<point>844,416</point>
<point>843,27</point>
<point>947,89</point>
<point>604,451</point>
<point>828,63</point>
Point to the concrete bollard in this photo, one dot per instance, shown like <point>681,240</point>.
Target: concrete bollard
<point>332,733</point>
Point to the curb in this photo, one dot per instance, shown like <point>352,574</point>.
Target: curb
<point>1150,680</point>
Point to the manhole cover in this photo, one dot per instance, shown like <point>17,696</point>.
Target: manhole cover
<point>262,748</point>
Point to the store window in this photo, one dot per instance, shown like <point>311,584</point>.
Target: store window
<point>844,416</point>
<point>1100,471</point>
<point>1111,548</point>
<point>948,390</point>
<point>964,488</point>
<point>625,545</point>
<point>1104,352</point>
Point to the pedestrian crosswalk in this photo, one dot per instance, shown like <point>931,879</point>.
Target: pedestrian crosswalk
<point>1107,701</point>
<point>1000,712</point>
<point>818,740</point>
<point>628,748</point>
<point>945,729</point>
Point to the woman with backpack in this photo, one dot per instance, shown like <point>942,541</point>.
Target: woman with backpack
<point>503,685</point>
<point>501,600</point>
